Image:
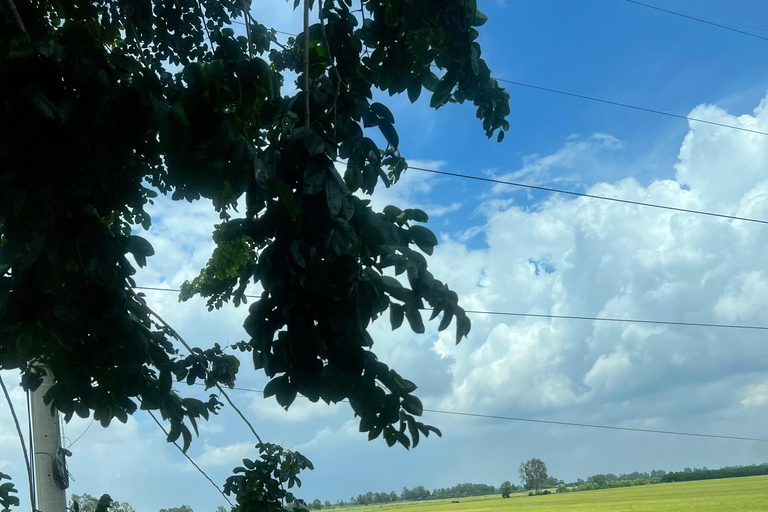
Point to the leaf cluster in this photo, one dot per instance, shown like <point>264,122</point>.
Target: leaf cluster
<point>260,485</point>
<point>7,491</point>
<point>108,103</point>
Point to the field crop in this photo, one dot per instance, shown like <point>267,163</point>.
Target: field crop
<point>725,495</point>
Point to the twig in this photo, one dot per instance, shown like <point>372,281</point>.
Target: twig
<point>16,15</point>
<point>335,69</point>
<point>30,476</point>
<point>306,63</point>
<point>247,28</point>
<point>205,25</point>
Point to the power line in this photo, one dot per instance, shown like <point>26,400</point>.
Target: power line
<point>176,335</point>
<point>604,427</point>
<point>627,105</point>
<point>558,317</point>
<point>185,454</point>
<point>591,196</point>
<point>627,320</point>
<point>569,423</point>
<point>697,19</point>
<point>81,435</point>
<point>30,476</point>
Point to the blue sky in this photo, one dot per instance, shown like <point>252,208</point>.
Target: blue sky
<point>601,259</point>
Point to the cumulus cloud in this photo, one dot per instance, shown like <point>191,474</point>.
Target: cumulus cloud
<point>608,259</point>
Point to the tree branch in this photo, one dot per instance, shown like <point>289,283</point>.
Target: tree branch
<point>335,68</point>
<point>247,28</point>
<point>306,62</point>
<point>16,15</point>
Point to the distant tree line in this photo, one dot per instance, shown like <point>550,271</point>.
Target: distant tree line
<point>711,474</point>
<point>418,493</point>
<point>659,476</point>
<point>533,474</point>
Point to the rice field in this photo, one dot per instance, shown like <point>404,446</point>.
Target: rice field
<point>725,495</point>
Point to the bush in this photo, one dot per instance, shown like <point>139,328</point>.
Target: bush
<point>546,491</point>
<point>531,493</point>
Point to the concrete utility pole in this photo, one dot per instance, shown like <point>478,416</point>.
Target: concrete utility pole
<point>46,443</point>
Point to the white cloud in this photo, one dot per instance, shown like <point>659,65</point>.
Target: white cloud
<point>617,260</point>
<point>574,154</point>
<point>229,455</point>
<point>754,396</point>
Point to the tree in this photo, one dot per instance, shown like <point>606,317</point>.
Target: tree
<point>317,504</point>
<point>112,103</point>
<point>183,508</point>
<point>533,474</point>
<point>599,480</point>
<point>506,489</point>
<point>327,504</point>
<point>87,503</point>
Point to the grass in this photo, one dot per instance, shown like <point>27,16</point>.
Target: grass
<point>724,495</point>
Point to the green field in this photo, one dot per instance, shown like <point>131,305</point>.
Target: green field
<point>725,495</point>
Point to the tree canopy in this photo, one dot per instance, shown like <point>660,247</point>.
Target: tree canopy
<point>533,474</point>
<point>109,103</point>
<point>506,489</point>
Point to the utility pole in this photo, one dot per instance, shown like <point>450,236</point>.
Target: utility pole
<point>51,497</point>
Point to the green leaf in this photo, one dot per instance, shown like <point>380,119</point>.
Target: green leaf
<point>274,386</point>
<point>416,214</point>
<point>396,315</point>
<point>463,325</point>
<point>414,431</point>
<point>389,133</point>
<point>382,112</point>
<point>334,196</point>
<point>423,238</point>
<point>279,188</point>
<point>479,20</point>
<point>414,90</point>
<point>446,320</point>
<point>413,405</point>
<point>140,249</point>
<point>414,319</point>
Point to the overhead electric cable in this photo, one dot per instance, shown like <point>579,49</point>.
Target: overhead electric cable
<point>700,20</point>
<point>33,481</point>
<point>176,335</point>
<point>185,454</point>
<point>627,105</point>
<point>591,196</point>
<point>30,476</point>
<point>570,423</point>
<point>81,435</point>
<point>559,317</point>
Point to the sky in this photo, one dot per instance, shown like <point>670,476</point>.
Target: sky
<point>507,249</point>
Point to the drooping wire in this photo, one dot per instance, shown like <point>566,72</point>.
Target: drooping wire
<point>176,335</point>
<point>700,20</point>
<point>81,435</point>
<point>559,317</point>
<point>31,446</point>
<point>30,475</point>
<point>191,461</point>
